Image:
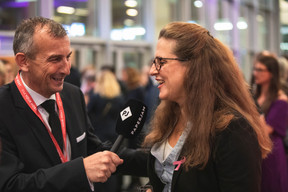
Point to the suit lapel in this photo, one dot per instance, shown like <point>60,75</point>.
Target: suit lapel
<point>33,123</point>
<point>70,124</point>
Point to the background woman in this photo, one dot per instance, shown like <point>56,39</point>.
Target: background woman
<point>273,103</point>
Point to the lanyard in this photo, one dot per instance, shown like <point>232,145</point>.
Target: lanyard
<point>28,99</point>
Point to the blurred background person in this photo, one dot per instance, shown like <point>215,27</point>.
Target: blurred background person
<point>104,105</point>
<point>151,93</point>
<point>109,67</point>
<point>131,78</point>
<point>88,78</point>
<point>9,69</point>
<point>283,69</point>
<point>2,74</point>
<point>283,64</point>
<point>273,103</point>
<point>103,108</point>
<point>74,77</point>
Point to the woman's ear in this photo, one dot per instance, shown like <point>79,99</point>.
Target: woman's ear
<point>21,60</point>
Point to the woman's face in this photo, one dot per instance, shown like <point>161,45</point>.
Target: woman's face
<point>171,74</point>
<point>261,74</point>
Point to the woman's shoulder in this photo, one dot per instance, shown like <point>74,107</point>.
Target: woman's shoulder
<point>239,136</point>
<point>282,96</point>
<point>238,127</point>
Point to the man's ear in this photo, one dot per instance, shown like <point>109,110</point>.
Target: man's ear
<point>22,61</point>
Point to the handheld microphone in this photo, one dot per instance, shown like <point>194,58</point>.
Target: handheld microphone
<point>130,122</point>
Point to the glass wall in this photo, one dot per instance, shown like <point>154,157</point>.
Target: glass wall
<point>284,27</point>
<point>74,15</point>
<point>12,12</point>
<point>127,20</point>
<point>122,32</point>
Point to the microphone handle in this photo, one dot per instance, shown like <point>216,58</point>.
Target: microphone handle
<point>117,143</point>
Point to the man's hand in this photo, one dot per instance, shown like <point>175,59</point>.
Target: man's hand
<point>101,165</point>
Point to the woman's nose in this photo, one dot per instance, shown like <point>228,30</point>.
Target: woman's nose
<point>153,70</point>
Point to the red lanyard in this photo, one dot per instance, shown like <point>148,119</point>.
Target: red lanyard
<point>28,99</point>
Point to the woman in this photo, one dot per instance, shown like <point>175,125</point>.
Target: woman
<point>103,109</point>
<point>104,106</point>
<point>273,103</point>
<point>206,133</point>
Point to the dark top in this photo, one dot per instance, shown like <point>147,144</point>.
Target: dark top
<point>74,77</point>
<point>103,113</point>
<point>234,165</point>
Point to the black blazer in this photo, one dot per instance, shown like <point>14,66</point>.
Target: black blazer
<point>29,160</point>
<point>234,165</point>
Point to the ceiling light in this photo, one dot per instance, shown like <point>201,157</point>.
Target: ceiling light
<point>132,12</point>
<point>131,3</point>
<point>223,26</point>
<point>65,10</point>
<point>242,25</point>
<point>198,4</point>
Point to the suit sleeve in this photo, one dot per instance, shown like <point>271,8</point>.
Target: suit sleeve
<point>68,176</point>
<point>25,165</point>
<point>238,158</point>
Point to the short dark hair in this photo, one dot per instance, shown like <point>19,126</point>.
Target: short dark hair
<point>23,38</point>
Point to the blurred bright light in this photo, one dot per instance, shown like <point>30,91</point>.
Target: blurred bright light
<point>116,34</point>
<point>242,25</point>
<point>192,21</point>
<point>284,46</point>
<point>65,10</point>
<point>75,29</point>
<point>259,18</point>
<point>131,3</point>
<point>284,30</point>
<point>223,26</point>
<point>198,4</point>
<point>127,33</point>
<point>129,22</point>
<point>132,12</point>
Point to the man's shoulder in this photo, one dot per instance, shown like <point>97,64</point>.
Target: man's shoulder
<point>70,88</point>
<point>71,92</point>
<point>5,92</point>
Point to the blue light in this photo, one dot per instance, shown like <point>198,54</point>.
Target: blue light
<point>75,29</point>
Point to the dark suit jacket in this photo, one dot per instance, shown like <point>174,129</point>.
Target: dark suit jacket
<point>29,160</point>
<point>234,165</point>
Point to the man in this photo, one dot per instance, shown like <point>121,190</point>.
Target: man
<point>36,156</point>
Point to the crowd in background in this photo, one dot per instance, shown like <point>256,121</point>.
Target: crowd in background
<point>105,95</point>
<point>269,87</point>
<point>8,72</point>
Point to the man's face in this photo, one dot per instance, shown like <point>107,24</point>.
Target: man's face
<point>46,72</point>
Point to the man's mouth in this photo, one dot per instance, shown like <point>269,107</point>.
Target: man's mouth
<point>160,82</point>
<point>59,79</point>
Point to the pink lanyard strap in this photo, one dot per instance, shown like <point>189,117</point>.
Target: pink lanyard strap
<point>28,99</point>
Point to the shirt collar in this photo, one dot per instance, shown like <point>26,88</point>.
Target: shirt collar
<point>37,98</point>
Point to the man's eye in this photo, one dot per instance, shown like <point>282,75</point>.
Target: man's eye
<point>55,59</point>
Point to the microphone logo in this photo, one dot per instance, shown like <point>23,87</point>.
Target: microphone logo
<point>125,113</point>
